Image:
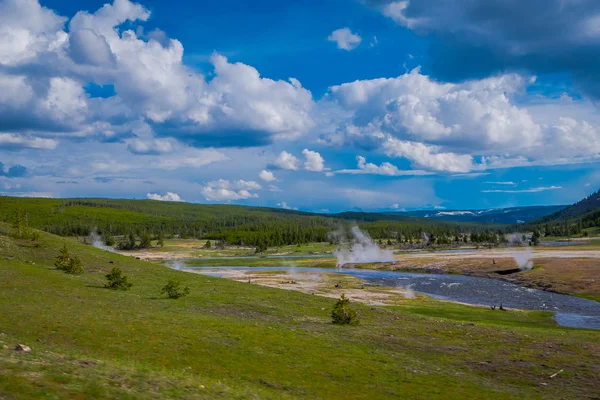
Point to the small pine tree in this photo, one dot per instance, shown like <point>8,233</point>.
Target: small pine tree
<point>116,280</point>
<point>131,242</point>
<point>146,241</point>
<point>74,267</point>
<point>535,238</point>
<point>173,290</point>
<point>342,314</point>
<point>19,223</point>
<point>63,259</point>
<point>261,247</point>
<point>160,241</point>
<point>208,245</point>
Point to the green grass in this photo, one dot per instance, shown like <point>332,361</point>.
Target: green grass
<point>236,340</point>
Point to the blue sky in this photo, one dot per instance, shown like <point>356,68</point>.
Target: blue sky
<point>317,105</point>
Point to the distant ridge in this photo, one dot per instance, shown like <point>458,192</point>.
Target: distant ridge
<point>585,206</point>
<point>513,215</point>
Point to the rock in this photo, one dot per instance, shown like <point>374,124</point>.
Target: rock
<point>4,346</point>
<point>22,347</point>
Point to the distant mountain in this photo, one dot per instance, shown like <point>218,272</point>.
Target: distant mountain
<point>577,210</point>
<point>514,215</point>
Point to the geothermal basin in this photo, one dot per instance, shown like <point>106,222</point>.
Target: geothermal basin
<point>568,311</point>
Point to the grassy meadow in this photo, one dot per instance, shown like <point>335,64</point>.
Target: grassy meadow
<point>236,340</point>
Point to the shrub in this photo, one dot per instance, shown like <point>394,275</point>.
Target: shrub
<point>62,259</point>
<point>74,267</point>
<point>68,264</point>
<point>116,280</point>
<point>342,314</point>
<point>173,290</point>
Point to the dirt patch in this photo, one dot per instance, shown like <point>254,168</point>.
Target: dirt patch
<point>324,284</point>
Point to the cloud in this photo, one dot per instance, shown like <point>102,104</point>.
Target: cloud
<point>314,162</point>
<point>510,183</point>
<point>43,91</point>
<point>11,141</point>
<point>481,38</point>
<point>285,206</point>
<point>386,169</point>
<point>428,156</point>
<point>153,146</point>
<point>442,126</point>
<point>273,188</point>
<point>531,190</point>
<point>169,196</point>
<point>287,161</point>
<point>88,47</point>
<point>345,39</point>
<point>191,158</point>
<point>224,190</point>
<point>266,175</point>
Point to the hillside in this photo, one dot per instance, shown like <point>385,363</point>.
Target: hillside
<point>234,340</point>
<point>577,210</point>
<point>514,215</point>
<point>229,223</point>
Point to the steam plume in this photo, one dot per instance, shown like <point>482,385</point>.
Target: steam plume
<point>523,259</point>
<point>99,244</point>
<point>360,249</point>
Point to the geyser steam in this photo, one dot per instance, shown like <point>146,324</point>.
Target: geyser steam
<point>360,249</point>
<point>98,243</point>
<point>523,259</point>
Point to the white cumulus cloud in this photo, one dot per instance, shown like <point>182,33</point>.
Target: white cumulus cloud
<point>287,161</point>
<point>266,175</point>
<point>169,196</point>
<point>314,161</point>
<point>385,168</point>
<point>345,39</point>
<point>224,190</point>
<point>285,206</point>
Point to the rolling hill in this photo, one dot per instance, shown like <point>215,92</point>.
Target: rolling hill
<point>229,223</point>
<point>578,210</point>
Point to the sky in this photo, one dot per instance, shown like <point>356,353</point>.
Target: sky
<point>316,105</point>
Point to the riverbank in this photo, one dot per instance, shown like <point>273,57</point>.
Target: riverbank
<point>577,275</point>
<point>384,287</point>
<point>575,272</point>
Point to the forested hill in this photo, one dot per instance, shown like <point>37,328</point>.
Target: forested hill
<point>577,210</point>
<point>573,220</point>
<point>229,223</point>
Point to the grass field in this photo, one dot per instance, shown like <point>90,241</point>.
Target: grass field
<point>235,340</point>
<point>193,248</point>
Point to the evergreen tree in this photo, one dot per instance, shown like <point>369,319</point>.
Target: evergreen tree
<point>173,290</point>
<point>146,241</point>
<point>342,314</point>
<point>63,258</point>
<point>116,280</point>
<point>74,267</point>
<point>535,238</point>
<point>19,222</point>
